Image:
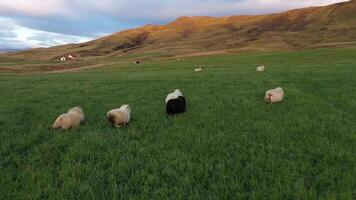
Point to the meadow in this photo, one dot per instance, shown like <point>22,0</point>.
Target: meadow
<point>229,144</point>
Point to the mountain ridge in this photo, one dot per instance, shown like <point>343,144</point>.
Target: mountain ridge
<point>295,29</point>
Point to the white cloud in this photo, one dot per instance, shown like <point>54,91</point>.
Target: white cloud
<point>15,36</point>
<point>225,8</point>
<point>33,7</point>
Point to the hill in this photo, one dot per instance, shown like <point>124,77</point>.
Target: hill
<point>314,27</point>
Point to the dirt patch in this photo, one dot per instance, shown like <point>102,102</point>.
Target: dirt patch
<point>75,69</point>
<point>46,68</point>
<point>334,45</point>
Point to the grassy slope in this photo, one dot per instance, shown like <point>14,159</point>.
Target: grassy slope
<point>229,144</point>
<point>329,26</point>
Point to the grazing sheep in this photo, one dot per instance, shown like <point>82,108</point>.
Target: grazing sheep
<point>137,62</point>
<point>261,68</point>
<point>274,95</point>
<point>69,120</point>
<point>119,117</point>
<point>198,69</point>
<point>175,103</point>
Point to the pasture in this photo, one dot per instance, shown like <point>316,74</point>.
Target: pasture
<point>229,144</point>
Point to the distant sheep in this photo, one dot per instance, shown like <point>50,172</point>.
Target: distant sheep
<point>175,103</point>
<point>69,120</point>
<point>261,68</point>
<point>120,117</point>
<point>274,95</point>
<point>198,69</point>
<point>137,62</point>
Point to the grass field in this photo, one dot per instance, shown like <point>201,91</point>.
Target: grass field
<point>228,145</point>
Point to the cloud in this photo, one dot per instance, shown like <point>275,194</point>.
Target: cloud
<point>148,9</point>
<point>74,20</point>
<point>33,7</point>
<point>13,36</point>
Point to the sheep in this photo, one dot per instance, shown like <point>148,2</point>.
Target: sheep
<point>274,95</point>
<point>175,103</point>
<point>261,68</point>
<point>69,120</point>
<point>198,69</point>
<point>119,117</point>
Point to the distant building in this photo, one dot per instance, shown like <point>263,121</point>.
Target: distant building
<point>72,57</point>
<point>69,57</point>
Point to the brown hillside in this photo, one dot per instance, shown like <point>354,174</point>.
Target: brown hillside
<point>292,30</point>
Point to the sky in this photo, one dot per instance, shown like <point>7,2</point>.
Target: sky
<point>44,23</point>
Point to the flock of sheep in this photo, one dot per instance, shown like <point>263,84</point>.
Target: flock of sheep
<point>175,104</point>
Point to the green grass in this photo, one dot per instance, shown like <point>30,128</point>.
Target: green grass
<point>228,145</point>
<point>7,61</point>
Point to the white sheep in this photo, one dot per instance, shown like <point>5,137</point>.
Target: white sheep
<point>199,69</point>
<point>69,120</point>
<point>119,117</point>
<point>260,68</point>
<point>274,95</point>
